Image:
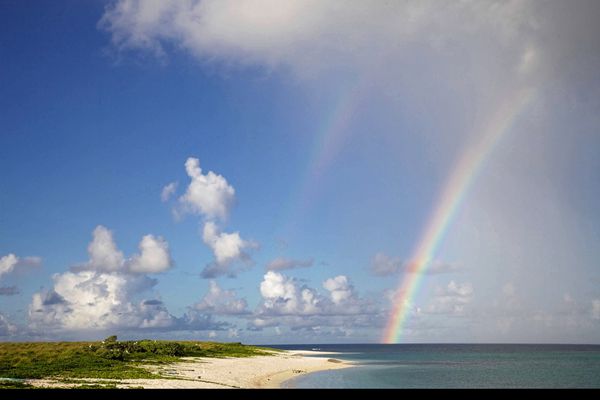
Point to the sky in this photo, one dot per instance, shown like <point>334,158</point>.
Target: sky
<point>300,172</point>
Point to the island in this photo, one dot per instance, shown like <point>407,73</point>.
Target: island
<point>153,364</point>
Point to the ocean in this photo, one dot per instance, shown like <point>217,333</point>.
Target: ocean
<point>455,366</point>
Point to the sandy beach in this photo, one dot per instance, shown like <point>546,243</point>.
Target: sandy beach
<point>268,371</point>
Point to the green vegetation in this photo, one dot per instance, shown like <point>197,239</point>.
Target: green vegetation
<point>110,358</point>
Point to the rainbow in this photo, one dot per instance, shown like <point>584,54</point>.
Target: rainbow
<point>329,138</point>
<point>462,177</point>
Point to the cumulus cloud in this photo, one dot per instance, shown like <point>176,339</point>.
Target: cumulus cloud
<point>11,262</point>
<point>168,191</point>
<point>105,292</point>
<point>228,248</point>
<point>221,301</point>
<point>281,263</point>
<point>103,251</point>
<point>384,265</point>
<point>281,295</point>
<point>208,195</point>
<point>91,300</point>
<point>153,256</point>
<point>286,302</point>
<point>339,289</point>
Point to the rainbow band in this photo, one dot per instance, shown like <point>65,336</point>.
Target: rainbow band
<point>461,179</point>
<point>328,140</point>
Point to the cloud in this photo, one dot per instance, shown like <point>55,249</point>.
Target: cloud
<point>8,290</point>
<point>107,291</point>
<point>383,265</point>
<point>103,252</point>
<point>11,262</point>
<point>6,328</point>
<point>450,300</point>
<point>91,300</point>
<point>208,195</point>
<point>168,191</point>
<point>280,264</point>
<point>339,289</point>
<point>312,36</point>
<point>281,295</point>
<point>228,250</point>
<point>221,301</point>
<point>153,256</point>
<point>211,197</point>
<point>287,303</point>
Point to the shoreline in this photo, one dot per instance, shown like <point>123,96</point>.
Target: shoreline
<point>258,372</point>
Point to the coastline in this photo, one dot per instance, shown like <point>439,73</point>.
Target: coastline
<point>268,371</point>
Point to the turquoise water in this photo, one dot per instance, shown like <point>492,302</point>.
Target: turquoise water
<point>457,366</point>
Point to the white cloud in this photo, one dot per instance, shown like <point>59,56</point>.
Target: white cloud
<point>208,195</point>
<point>221,301</point>
<point>596,309</point>
<point>308,35</point>
<point>91,300</point>
<point>280,293</point>
<point>211,197</point>
<point>286,303</point>
<point>154,256</point>
<point>168,191</point>
<point>105,292</point>
<point>281,263</point>
<point>339,289</point>
<point>11,262</point>
<point>103,251</point>
<point>228,249</point>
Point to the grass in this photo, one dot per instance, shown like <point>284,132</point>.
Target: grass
<point>109,359</point>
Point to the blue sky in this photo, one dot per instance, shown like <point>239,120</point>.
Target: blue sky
<point>104,103</point>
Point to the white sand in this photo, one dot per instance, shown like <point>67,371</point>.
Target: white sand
<point>249,372</point>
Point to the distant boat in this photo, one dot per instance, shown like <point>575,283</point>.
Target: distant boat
<point>315,349</point>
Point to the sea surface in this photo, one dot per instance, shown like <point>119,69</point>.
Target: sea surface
<point>455,366</point>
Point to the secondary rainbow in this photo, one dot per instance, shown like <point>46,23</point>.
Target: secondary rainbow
<point>328,140</point>
<point>466,170</point>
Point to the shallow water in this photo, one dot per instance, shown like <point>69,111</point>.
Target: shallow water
<point>457,366</point>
